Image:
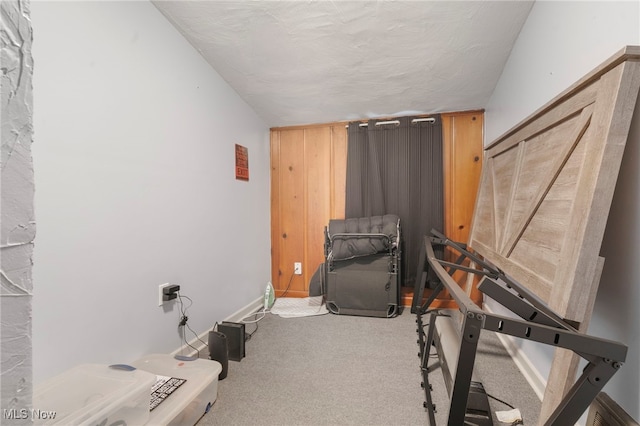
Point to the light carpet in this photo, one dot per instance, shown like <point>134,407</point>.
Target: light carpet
<point>347,370</point>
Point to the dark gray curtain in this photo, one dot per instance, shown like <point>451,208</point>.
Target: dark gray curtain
<point>397,169</point>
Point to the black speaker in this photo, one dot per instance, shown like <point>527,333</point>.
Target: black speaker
<point>219,351</point>
<point>235,339</point>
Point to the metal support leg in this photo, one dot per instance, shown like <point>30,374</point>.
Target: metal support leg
<point>425,350</point>
<point>539,323</point>
<point>585,390</point>
<point>428,341</point>
<point>464,370</point>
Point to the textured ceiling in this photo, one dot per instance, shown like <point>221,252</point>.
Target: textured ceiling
<point>303,62</point>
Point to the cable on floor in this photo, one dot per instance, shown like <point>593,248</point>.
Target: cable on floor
<point>262,312</point>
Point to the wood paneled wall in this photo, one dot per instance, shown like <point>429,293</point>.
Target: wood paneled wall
<point>463,150</point>
<point>462,136</point>
<point>308,174</point>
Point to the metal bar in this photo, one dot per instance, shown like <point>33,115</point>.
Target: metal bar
<point>359,124</point>
<point>568,339</point>
<point>386,239</point>
<point>381,123</point>
<point>425,346</point>
<point>459,260</point>
<point>432,297</point>
<point>428,341</point>
<point>465,304</point>
<point>358,235</point>
<point>518,306</point>
<point>440,239</point>
<point>496,273</point>
<point>539,323</point>
<point>421,337</point>
<point>420,284</point>
<point>531,298</point>
<point>420,120</point>
<point>456,266</point>
<point>414,121</point>
<point>594,377</point>
<point>464,370</point>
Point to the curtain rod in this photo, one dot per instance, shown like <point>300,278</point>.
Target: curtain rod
<point>382,123</point>
<point>415,120</point>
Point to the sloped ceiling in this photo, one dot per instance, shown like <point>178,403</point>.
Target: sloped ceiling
<point>304,62</point>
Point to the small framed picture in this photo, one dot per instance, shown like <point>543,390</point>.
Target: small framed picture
<point>242,162</point>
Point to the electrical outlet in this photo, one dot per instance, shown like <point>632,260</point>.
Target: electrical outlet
<point>160,287</point>
<point>297,268</point>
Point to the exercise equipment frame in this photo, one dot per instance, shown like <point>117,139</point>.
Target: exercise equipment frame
<point>538,323</point>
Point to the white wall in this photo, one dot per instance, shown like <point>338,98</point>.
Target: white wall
<point>17,224</point>
<point>561,42</point>
<point>135,186</point>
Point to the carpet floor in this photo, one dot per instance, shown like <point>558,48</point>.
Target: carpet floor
<point>349,370</point>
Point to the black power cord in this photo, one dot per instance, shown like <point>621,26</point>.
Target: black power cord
<point>501,401</point>
<point>288,285</point>
<point>183,323</point>
<point>262,311</point>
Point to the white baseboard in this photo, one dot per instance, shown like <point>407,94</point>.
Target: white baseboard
<point>237,316</point>
<point>249,309</point>
<point>537,382</point>
<point>530,373</point>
